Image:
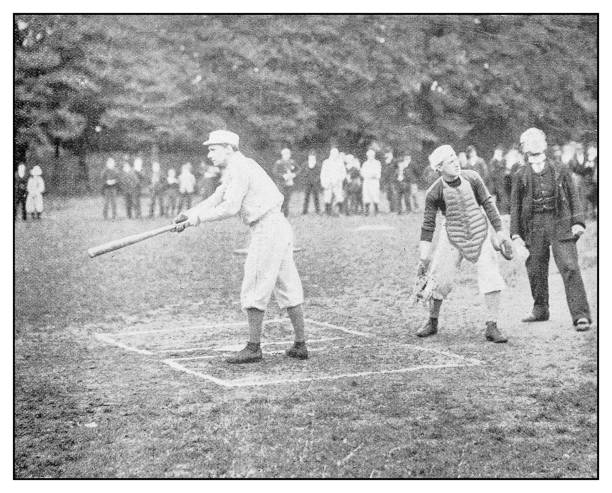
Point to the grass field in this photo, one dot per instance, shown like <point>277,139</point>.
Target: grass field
<point>113,359</point>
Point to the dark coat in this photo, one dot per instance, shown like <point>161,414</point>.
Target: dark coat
<point>310,176</point>
<point>568,208</point>
<point>20,187</point>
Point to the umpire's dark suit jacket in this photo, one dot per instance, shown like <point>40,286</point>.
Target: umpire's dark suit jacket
<point>568,210</point>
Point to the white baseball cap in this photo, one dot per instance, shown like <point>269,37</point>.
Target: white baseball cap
<point>439,155</point>
<point>222,137</point>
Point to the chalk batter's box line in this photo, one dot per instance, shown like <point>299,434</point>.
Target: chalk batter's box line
<point>173,363</point>
<point>114,342</point>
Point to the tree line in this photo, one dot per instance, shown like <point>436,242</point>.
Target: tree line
<point>150,83</point>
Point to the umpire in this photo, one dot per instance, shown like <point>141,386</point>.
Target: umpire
<point>546,213</point>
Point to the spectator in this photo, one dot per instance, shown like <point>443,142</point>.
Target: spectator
<point>557,153</point>
<point>579,173</point>
<point>354,195</point>
<point>497,181</point>
<point>387,179</point>
<point>140,181</point>
<point>157,190</point>
<point>284,172</point>
<point>405,185</point>
<point>476,163</point>
<point>209,181</point>
<point>371,173</point>
<point>128,182</point>
<point>110,184</point>
<point>463,160</point>
<point>590,179</point>
<point>333,174</point>
<point>171,189</point>
<point>187,183</point>
<point>35,188</point>
<point>20,192</point>
<point>311,172</point>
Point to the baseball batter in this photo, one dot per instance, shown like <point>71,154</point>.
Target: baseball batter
<point>461,196</point>
<point>248,191</point>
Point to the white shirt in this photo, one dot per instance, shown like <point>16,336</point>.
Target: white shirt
<point>370,170</point>
<point>332,172</point>
<point>186,182</point>
<point>246,190</point>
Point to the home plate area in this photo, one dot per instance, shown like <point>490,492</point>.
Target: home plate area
<point>335,352</point>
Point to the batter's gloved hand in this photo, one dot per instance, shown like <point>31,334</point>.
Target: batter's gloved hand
<point>183,221</point>
<point>422,267</point>
<point>577,230</point>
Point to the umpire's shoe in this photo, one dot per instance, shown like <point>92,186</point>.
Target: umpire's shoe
<point>582,324</point>
<point>298,351</point>
<point>493,334</point>
<point>250,354</point>
<point>430,328</point>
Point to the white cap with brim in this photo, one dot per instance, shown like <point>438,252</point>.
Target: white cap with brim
<point>222,137</point>
<point>439,155</point>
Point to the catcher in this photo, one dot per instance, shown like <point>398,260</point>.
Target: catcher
<point>461,196</point>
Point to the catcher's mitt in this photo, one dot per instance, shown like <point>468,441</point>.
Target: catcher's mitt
<point>424,286</point>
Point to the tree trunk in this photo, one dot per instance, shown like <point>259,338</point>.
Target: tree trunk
<point>57,171</point>
<point>83,171</point>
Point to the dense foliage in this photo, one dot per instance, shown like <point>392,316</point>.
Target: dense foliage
<point>109,82</point>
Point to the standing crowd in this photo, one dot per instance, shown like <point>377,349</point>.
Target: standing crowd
<point>28,190</point>
<point>347,186</point>
<point>167,193</point>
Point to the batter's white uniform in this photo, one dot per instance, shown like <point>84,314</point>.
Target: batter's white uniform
<point>333,174</point>
<point>370,172</point>
<point>247,190</point>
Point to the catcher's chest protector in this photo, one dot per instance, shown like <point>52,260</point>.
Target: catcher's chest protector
<point>466,224</point>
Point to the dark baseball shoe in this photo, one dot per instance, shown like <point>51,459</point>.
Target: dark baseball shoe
<point>539,318</point>
<point>246,355</point>
<point>582,324</point>
<point>493,334</point>
<point>297,351</point>
<point>430,329</point>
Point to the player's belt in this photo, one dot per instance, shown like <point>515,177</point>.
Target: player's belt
<point>271,212</point>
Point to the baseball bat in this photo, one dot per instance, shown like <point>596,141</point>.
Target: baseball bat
<point>111,246</point>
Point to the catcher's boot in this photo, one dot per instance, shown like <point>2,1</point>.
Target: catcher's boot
<point>493,334</point>
<point>250,354</point>
<point>430,328</point>
<point>376,209</point>
<point>366,212</point>
<point>298,351</point>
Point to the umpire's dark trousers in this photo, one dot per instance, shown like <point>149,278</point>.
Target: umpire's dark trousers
<point>543,239</point>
